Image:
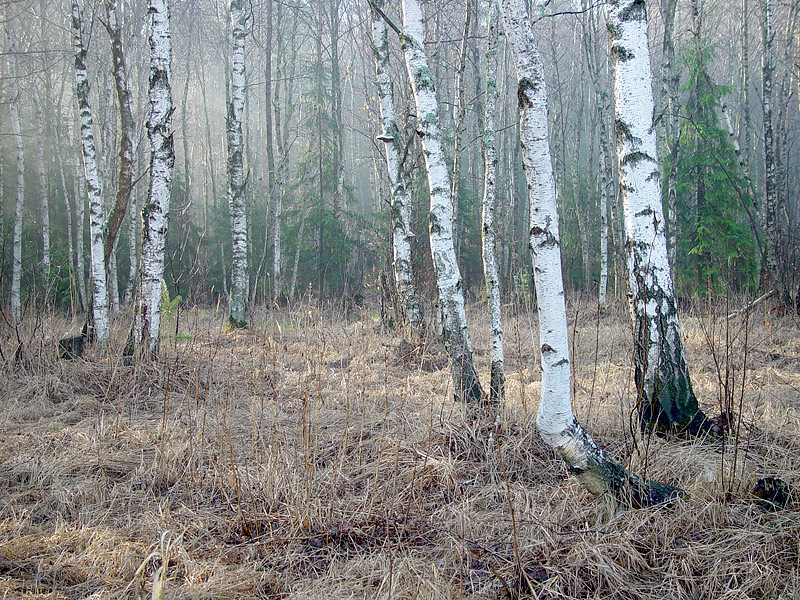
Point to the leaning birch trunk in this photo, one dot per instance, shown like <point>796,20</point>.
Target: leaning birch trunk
<point>236,199</point>
<point>666,398</point>
<point>402,236</point>
<point>498,376</point>
<point>96,212</point>
<point>466,385</point>
<point>155,212</point>
<point>126,135</point>
<point>557,425</point>
<point>16,264</point>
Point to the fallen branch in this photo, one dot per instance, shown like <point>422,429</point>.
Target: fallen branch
<point>753,304</point>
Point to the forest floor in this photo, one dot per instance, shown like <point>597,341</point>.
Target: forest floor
<point>317,456</point>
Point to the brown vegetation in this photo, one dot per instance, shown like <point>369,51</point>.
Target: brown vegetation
<point>312,457</point>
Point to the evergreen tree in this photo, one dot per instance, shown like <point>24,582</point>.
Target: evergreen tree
<point>715,245</point>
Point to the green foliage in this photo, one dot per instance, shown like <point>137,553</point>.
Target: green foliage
<point>715,246</point>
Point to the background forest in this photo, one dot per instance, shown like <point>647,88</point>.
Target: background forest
<point>314,169</point>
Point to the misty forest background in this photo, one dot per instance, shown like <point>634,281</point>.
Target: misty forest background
<point>311,101</point>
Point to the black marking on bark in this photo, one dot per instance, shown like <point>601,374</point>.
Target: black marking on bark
<point>547,348</point>
<point>634,158</point>
<point>524,88</point>
<point>635,11</point>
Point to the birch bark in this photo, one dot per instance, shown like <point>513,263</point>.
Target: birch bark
<point>497,381</point>
<point>236,200</point>
<point>402,235</point>
<point>667,400</point>
<point>155,212</point>
<point>770,188</point>
<point>466,385</point>
<point>557,425</point>
<point>16,260</point>
<point>96,209</point>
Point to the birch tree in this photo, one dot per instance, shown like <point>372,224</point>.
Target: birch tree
<point>155,212</point>
<point>770,210</point>
<point>466,385</point>
<point>666,398</point>
<point>16,260</point>
<point>96,209</point>
<point>402,235</point>
<point>596,471</point>
<point>236,199</point>
<point>497,381</point>
<point>126,133</point>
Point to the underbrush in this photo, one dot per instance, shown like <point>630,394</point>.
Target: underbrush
<point>314,456</point>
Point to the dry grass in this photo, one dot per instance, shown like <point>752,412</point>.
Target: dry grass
<point>312,457</point>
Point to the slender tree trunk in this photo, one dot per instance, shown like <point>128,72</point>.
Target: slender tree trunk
<point>666,400</point>
<point>300,234</point>
<point>213,175</point>
<point>459,113</point>
<point>236,199</point>
<point>498,375</point>
<point>16,261</point>
<point>155,213</point>
<point>770,209</point>
<point>402,235</point>
<point>670,81</point>
<point>96,209</point>
<point>274,193</point>
<point>466,385</point>
<point>44,192</point>
<point>68,207</point>
<point>557,425</point>
<point>126,134</point>
<point>280,140</point>
<point>80,212</point>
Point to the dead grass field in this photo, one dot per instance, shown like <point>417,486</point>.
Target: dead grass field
<point>316,457</point>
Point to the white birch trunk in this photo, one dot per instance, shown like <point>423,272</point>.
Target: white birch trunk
<point>402,235</point>
<point>667,400</point>
<point>236,199</point>
<point>16,260</point>
<point>155,212</point>
<point>466,386</point>
<point>300,235</point>
<point>96,212</point>
<point>44,201</point>
<point>557,425</point>
<point>497,381</point>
